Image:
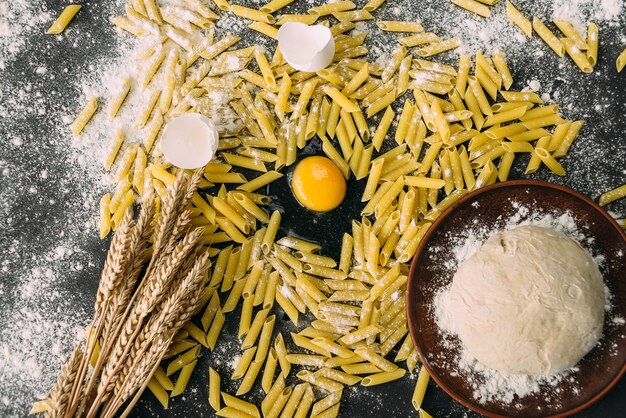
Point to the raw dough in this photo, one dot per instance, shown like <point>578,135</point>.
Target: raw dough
<point>530,301</point>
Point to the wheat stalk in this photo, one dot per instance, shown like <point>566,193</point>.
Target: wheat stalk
<point>136,323</point>
<point>179,305</point>
<point>118,305</point>
<point>58,401</point>
<point>158,284</point>
<point>112,276</point>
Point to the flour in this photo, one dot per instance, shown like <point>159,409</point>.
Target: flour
<point>51,182</point>
<point>580,12</point>
<point>488,384</point>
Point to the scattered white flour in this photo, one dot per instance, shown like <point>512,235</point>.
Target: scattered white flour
<point>580,12</point>
<point>50,183</point>
<point>489,385</point>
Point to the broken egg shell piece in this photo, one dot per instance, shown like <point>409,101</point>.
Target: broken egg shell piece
<point>189,141</point>
<point>306,48</point>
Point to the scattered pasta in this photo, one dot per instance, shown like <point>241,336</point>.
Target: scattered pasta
<point>459,129</point>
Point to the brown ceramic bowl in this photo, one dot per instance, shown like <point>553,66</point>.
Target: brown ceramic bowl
<point>491,206</point>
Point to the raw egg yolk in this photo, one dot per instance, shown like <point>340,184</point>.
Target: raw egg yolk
<point>318,184</point>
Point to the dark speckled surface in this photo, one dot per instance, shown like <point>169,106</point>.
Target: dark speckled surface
<point>595,164</point>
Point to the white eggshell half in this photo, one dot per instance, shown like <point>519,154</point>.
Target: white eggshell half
<point>306,48</point>
<point>189,141</point>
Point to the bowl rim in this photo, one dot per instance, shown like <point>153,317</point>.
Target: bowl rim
<point>412,283</point>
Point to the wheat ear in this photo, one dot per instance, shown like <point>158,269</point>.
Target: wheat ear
<point>175,311</point>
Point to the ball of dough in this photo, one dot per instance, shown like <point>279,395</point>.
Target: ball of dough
<point>530,301</point>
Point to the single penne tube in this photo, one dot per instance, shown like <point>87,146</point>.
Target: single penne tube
<point>474,107</point>
<point>543,121</point>
<point>306,19</point>
<point>575,53</point>
<point>240,405</point>
<point>479,94</point>
<point>505,166</point>
<point>118,100</point>
<point>153,385</point>
<point>418,39</point>
<point>340,99</point>
<point>438,47</point>
<point>533,134</point>
<point>265,29</point>
<point>515,16</point>
<point>420,388</point>
<point>502,107</point>
<point>443,128</point>
<point>383,377</point>
<point>398,26</point>
<point>429,158</point>
<point>521,96</point>
<point>84,116</point>
<point>360,368</point>
<point>252,14</point>
<point>372,5</point>
<point>463,73</point>
<point>393,64</point>
<point>621,61</point>
<point>612,195</point>
<point>256,183</point>
<point>330,8</point>
<point>474,7</point>
<point>404,350</point>
<point>64,19</point>
<point>550,161</point>
<point>353,15</point>
<point>275,5</point>
<point>506,116</point>
<point>592,43</point>
<point>421,181</point>
<point>548,37</point>
<point>539,112</point>
<point>497,133</point>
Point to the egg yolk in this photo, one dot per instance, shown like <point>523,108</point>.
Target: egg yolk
<point>318,184</point>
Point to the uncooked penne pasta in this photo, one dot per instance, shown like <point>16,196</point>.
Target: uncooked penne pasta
<point>515,16</point>
<point>64,19</point>
<point>397,26</point>
<point>621,61</point>
<point>612,195</point>
<point>473,6</point>
<point>548,37</point>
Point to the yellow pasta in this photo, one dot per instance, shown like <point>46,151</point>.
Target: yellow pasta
<point>515,16</point>
<point>420,388</point>
<point>383,377</point>
<point>84,116</point>
<point>579,58</point>
<point>397,26</point>
<point>612,195</point>
<point>572,34</point>
<point>473,6</point>
<point>548,37</point>
<point>64,19</point>
<point>620,63</point>
<point>252,14</point>
<point>331,8</point>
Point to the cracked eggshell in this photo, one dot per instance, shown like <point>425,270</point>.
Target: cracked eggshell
<point>306,48</point>
<point>189,141</point>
